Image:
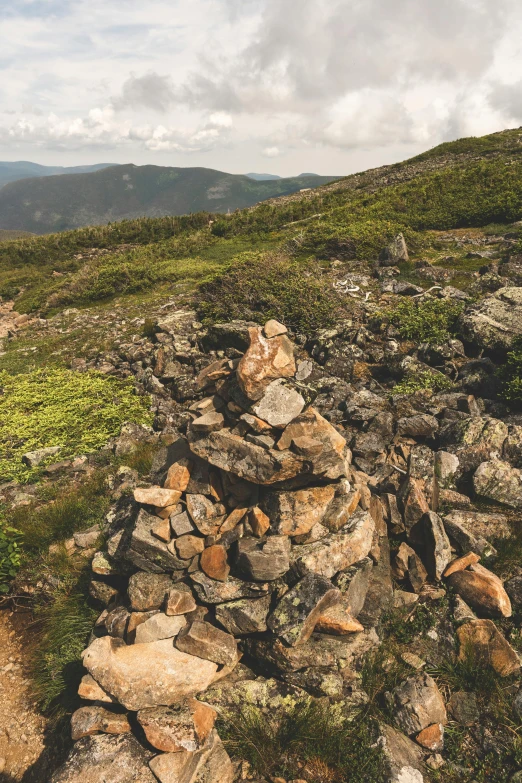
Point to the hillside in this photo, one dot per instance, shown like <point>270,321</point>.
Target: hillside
<point>126,192</point>
<point>12,171</point>
<point>276,456</point>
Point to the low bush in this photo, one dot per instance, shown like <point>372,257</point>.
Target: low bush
<point>78,412</point>
<point>10,554</point>
<point>511,374</point>
<point>431,321</point>
<point>259,286</point>
<point>432,381</point>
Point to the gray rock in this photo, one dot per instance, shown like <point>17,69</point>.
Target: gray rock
<point>248,615</point>
<point>147,552</point>
<point>403,758</point>
<point>421,425</point>
<point>416,704</point>
<point>513,588</point>
<point>495,321</point>
<point>96,719</point>
<point>353,583</point>
<point>430,534</point>
<point>148,591</point>
<point>159,626</point>
<point>279,405</point>
<point>211,764</point>
<point>463,708</point>
<point>296,614</point>
<point>209,591</point>
<point>295,513</point>
<point>34,458</point>
<point>206,641</point>
<point>183,727</point>
<point>395,253</point>
<point>467,529</point>
<point>104,758</point>
<point>498,481</point>
<point>263,560</point>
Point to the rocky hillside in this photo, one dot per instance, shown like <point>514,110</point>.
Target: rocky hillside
<point>58,203</point>
<point>263,501</point>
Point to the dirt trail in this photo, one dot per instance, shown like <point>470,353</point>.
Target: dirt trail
<point>21,726</point>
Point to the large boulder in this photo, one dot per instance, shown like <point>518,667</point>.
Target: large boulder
<point>498,481</point>
<point>106,758</point>
<point>496,321</point>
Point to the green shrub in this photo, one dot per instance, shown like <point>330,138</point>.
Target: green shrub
<point>10,555</point>
<point>431,321</point>
<point>260,286</point>
<point>433,381</point>
<point>57,407</point>
<point>511,374</point>
<point>333,746</point>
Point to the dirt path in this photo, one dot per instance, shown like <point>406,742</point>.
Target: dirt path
<point>21,726</point>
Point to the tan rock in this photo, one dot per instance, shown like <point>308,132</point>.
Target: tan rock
<point>414,501</point>
<point>210,422</point>
<point>185,726</point>
<point>136,619</point>
<point>338,621</point>
<point>90,690</point>
<point>279,405</point>
<point>147,675</point>
<point>161,529</point>
<point>211,764</point>
<point>208,642</point>
<point>204,514</point>
<point>259,522</point>
<point>259,426</point>
<point>265,361</point>
<point>432,737</point>
<point>482,641</point>
<point>233,519</point>
<point>179,602</point>
<point>165,513</point>
<point>189,546</point>
<point>274,328</point>
<point>482,590</point>
<point>178,475</point>
<point>214,372</point>
<point>461,563</point>
<point>157,496</point>
<point>307,446</point>
<point>159,626</point>
<point>213,562</point>
<point>105,758</point>
<point>295,513</point>
<point>93,720</point>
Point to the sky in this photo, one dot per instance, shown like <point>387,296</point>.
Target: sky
<point>279,86</point>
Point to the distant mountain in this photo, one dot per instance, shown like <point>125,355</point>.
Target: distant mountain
<point>24,169</point>
<point>58,203</point>
<point>263,177</point>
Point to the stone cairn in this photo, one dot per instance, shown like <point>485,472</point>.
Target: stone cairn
<point>257,533</point>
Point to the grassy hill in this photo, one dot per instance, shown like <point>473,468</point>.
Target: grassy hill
<point>12,171</point>
<point>127,192</point>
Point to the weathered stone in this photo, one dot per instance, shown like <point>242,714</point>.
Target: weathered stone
<point>446,468</point>
<point>101,564</point>
<point>342,507</point>
<point>210,422</point>
<point>214,372</point>
<point>421,425</point>
<point>482,590</point>
<point>408,564</point>
<point>430,534</point>
<point>92,720</point>
<point>354,583</point>
<point>462,612</point>
<point>297,612</point>
<point>206,641</point>
<point>159,626</point>
<point>146,675</point>
<point>147,552</point>
<point>189,546</point>
<point>417,703</point>
<point>461,563</point>
<point>179,602</point>
<point>104,758</point>
<point>266,360</point>
<point>161,529</point>
<point>86,539</point>
<point>463,708</point>
<point>204,514</point>
<point>181,524</point>
<point>339,551</point>
<point>185,726</point>
<point>209,591</point>
<point>246,616</point>
<point>148,591</point>
<point>178,475</point>
<point>116,621</point>
<point>233,519</point>
<point>274,328</point>
<point>404,759</point>
<point>307,447</point>
<point>157,496</point>
<point>498,481</point>
<point>392,514</point>
<point>213,562</point>
<point>496,321</point>
<point>136,619</point>
<point>295,513</point>
<point>91,691</point>
<point>263,560</point>
<point>279,405</point>
<point>338,621</point>
<point>259,522</point>
<point>413,501</point>
<point>394,253</point>
<point>102,592</point>
<point>513,588</point>
<point>210,764</point>
<point>482,640</point>
<point>432,737</point>
<point>469,529</point>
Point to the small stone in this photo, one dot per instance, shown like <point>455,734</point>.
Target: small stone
<point>34,458</point>
<point>461,563</point>
<point>498,481</point>
<point>432,737</point>
<point>87,538</point>
<point>307,447</point>
<point>263,560</point>
<point>181,524</point>
<point>210,764</point>
<point>203,513</point>
<point>482,590</point>
<point>157,496</point>
<point>101,565</point>
<point>463,708</point>
<point>148,591</point>
<point>435,762</point>
<point>102,592</point>
<point>91,720</point>
<point>189,546</point>
<point>178,475</point>
<point>184,726</point>
<point>213,562</point>
<point>417,703</point>
<point>233,519</point>
<point>161,530</point>
<point>166,513</point>
<point>274,328</point>
<point>279,405</point>
<point>413,660</point>
<point>259,521</point>
<point>265,361</point>
<point>90,690</point>
<point>206,641</point>
<point>461,611</point>
<point>298,611</point>
<point>209,591</point>
<point>431,536</point>
<point>483,640</point>
<point>179,602</point>
<point>100,758</point>
<point>246,616</point>
<point>210,422</point>
<point>354,583</point>
<point>338,621</point>
<point>295,513</point>
<point>159,626</point>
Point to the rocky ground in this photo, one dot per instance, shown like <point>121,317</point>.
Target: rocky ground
<point>302,521</point>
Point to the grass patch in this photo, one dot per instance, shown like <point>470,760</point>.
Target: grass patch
<point>511,374</point>
<point>422,381</point>
<point>78,412</point>
<point>259,286</point>
<point>431,321</point>
<point>10,554</point>
<point>309,739</point>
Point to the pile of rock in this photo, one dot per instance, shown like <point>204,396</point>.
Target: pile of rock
<point>260,538</point>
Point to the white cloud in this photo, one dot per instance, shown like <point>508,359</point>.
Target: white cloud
<point>271,152</point>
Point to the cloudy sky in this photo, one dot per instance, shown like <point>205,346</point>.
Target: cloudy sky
<point>329,86</point>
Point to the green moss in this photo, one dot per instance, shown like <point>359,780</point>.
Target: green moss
<point>435,382</point>
<point>78,412</point>
<point>259,286</point>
